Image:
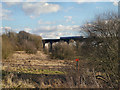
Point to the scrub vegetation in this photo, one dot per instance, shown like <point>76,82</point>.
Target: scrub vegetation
<point>26,65</point>
<point>21,41</point>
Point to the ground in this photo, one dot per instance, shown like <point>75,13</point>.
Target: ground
<point>38,70</point>
<point>32,67</point>
<point>33,62</point>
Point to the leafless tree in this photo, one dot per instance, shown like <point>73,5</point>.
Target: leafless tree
<point>104,45</point>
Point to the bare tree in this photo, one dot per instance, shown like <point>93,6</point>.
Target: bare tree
<point>104,45</point>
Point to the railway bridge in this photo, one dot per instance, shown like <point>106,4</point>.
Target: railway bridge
<point>65,39</point>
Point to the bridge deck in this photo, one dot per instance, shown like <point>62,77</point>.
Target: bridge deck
<point>50,40</point>
<point>64,39</point>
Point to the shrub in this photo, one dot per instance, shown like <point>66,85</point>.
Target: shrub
<point>29,42</point>
<point>13,39</point>
<point>30,47</point>
<point>62,50</point>
<point>37,40</point>
<point>7,48</point>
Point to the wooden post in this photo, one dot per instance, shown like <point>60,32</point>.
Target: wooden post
<point>76,65</point>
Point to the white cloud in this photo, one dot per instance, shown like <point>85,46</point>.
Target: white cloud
<point>7,28</point>
<point>55,35</point>
<point>45,29</point>
<point>115,3</point>
<point>68,18</point>
<point>28,30</point>
<point>58,28</point>
<point>46,22</point>
<point>35,9</point>
<point>1,27</point>
<point>32,17</point>
<point>50,35</point>
<point>73,22</point>
<point>50,31</point>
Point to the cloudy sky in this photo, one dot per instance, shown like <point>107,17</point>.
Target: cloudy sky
<point>51,19</point>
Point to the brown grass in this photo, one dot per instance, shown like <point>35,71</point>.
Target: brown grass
<point>32,64</point>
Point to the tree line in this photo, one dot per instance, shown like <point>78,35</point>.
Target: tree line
<point>21,41</point>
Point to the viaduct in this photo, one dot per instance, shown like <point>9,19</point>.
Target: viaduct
<point>66,39</point>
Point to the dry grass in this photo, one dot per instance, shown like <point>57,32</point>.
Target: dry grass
<point>19,83</point>
<point>39,60</point>
<point>30,70</point>
<point>22,63</point>
<point>31,63</point>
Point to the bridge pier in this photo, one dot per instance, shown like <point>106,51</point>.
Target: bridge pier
<point>51,46</point>
<point>43,45</point>
<point>50,49</point>
<point>67,41</point>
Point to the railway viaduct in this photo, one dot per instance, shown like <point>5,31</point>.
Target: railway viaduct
<point>65,39</point>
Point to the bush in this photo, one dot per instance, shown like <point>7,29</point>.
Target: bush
<point>30,47</point>
<point>24,41</point>
<point>7,48</point>
<point>13,37</point>
<point>62,50</point>
<point>37,40</point>
<point>29,42</point>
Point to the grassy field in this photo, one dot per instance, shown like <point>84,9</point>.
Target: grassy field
<point>31,65</point>
<point>39,71</point>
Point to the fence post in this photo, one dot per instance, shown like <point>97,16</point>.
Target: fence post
<point>77,65</point>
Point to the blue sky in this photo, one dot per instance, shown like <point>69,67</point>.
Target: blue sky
<point>51,19</point>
